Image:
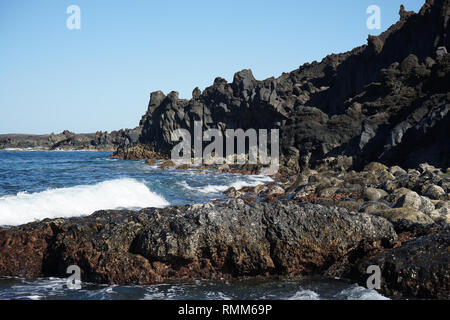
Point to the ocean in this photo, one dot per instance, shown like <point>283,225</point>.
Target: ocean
<point>35,185</point>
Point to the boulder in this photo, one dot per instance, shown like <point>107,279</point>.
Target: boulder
<point>371,207</point>
<point>435,192</point>
<point>441,215</point>
<point>167,164</point>
<point>150,161</point>
<point>396,170</point>
<point>414,200</point>
<point>275,190</point>
<point>233,193</point>
<point>396,194</point>
<point>409,199</point>
<point>375,167</point>
<point>411,215</point>
<point>350,205</point>
<point>373,194</point>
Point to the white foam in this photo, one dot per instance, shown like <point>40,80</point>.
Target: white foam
<point>19,149</point>
<point>305,295</point>
<point>356,292</point>
<point>251,181</point>
<point>185,185</point>
<point>77,201</point>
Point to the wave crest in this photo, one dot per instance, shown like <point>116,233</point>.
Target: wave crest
<point>77,201</point>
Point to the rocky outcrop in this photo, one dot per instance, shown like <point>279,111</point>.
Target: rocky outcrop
<point>67,140</point>
<point>231,239</point>
<point>136,151</point>
<point>228,240</point>
<point>384,101</point>
<point>420,268</point>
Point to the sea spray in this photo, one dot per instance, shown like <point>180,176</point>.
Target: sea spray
<point>77,201</point>
<point>250,181</point>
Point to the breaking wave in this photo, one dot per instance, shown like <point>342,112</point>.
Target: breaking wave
<point>77,201</point>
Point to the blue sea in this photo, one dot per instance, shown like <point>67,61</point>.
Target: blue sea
<point>35,185</point>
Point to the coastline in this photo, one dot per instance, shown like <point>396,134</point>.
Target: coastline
<point>57,150</point>
<point>69,141</point>
<point>320,222</point>
<point>362,180</point>
<point>263,257</point>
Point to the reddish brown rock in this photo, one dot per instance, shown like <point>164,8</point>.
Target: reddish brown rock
<point>225,240</point>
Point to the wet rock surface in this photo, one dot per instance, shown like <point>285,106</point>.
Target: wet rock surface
<point>414,196</point>
<point>420,268</point>
<point>233,239</point>
<point>230,239</point>
<point>418,264</point>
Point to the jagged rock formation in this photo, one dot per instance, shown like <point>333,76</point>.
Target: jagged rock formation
<point>67,140</point>
<point>383,101</point>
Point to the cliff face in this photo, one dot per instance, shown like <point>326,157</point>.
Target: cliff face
<point>383,101</point>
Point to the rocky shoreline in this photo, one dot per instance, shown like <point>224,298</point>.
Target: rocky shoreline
<point>66,140</point>
<point>364,178</point>
<point>320,222</point>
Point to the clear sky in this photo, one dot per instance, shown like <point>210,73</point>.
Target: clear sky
<point>100,76</point>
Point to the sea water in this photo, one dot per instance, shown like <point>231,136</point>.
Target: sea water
<point>35,185</point>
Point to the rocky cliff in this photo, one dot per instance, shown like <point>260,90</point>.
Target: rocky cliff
<point>384,101</point>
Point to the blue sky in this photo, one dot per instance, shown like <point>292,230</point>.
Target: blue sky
<point>100,77</point>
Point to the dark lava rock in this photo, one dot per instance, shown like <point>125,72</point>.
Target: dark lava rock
<point>231,239</point>
<point>420,268</point>
<point>385,101</point>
